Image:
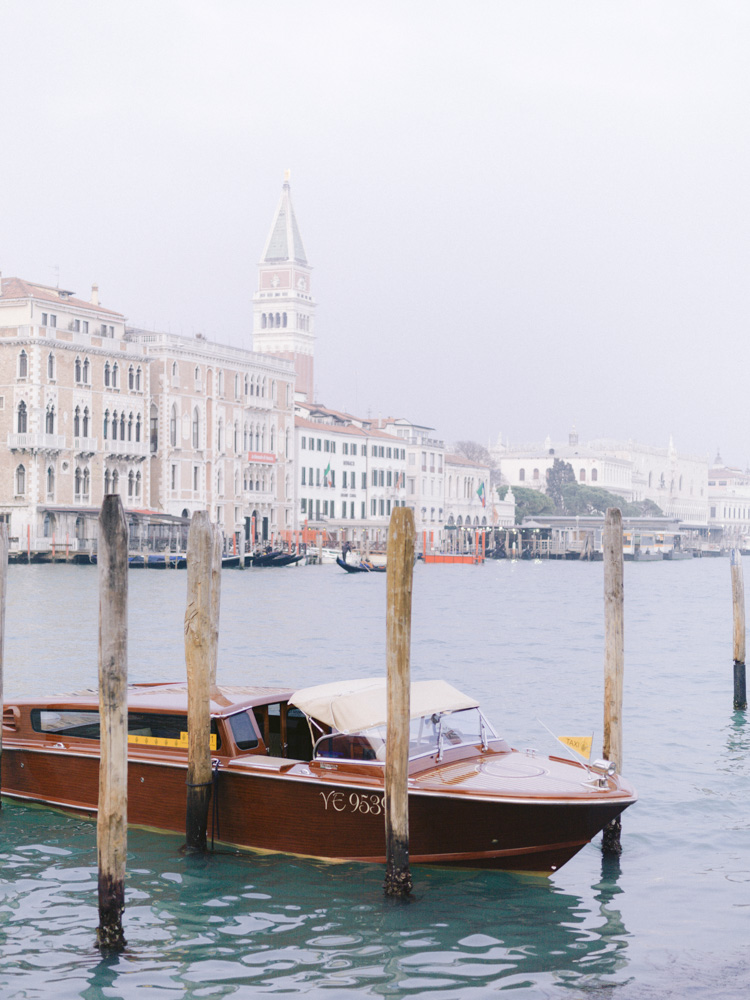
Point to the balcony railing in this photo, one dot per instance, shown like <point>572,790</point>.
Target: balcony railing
<point>125,447</point>
<point>84,444</point>
<point>34,439</point>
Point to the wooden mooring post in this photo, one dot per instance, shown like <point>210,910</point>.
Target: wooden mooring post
<point>3,590</point>
<point>400,562</point>
<point>199,651</point>
<point>112,818</point>
<point>614,657</point>
<point>738,615</point>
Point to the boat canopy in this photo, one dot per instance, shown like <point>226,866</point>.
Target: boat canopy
<point>351,706</point>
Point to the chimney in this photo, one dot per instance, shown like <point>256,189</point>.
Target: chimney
<point>95,295</point>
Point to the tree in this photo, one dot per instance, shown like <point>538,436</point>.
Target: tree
<point>560,474</point>
<point>580,499</point>
<point>474,451</point>
<point>530,503</point>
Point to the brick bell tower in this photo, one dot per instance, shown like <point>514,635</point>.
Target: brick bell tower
<point>283,306</point>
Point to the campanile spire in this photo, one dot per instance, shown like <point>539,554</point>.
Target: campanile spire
<point>283,306</point>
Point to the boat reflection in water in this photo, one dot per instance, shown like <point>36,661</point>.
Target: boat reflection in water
<point>240,922</point>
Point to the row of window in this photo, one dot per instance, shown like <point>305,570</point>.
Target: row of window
<point>82,372</point>
<point>314,509</point>
<point>350,448</point>
<point>119,425</point>
<point>82,482</point>
<point>253,385</point>
<point>77,325</point>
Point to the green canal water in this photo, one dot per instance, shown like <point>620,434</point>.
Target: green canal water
<point>670,919</point>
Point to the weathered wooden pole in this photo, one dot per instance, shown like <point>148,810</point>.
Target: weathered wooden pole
<point>738,607</point>
<point>215,598</point>
<point>3,590</point>
<point>614,656</point>
<point>112,818</point>
<point>400,562</point>
<point>198,653</point>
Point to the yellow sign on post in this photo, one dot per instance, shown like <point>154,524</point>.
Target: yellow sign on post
<point>581,744</point>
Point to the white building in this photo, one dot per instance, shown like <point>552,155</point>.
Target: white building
<point>425,471</point>
<point>469,499</point>
<point>677,483</point>
<point>729,504</point>
<point>350,475</point>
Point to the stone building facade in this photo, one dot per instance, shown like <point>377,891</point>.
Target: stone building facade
<point>74,398</point>
<point>221,434</point>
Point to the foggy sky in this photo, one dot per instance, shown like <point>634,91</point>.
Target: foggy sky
<point>521,215</point>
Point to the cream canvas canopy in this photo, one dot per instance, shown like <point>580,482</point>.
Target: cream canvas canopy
<point>350,706</point>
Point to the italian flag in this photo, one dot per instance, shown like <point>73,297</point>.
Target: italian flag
<point>326,474</point>
<point>480,494</point>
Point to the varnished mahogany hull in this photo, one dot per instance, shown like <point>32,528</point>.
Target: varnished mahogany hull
<point>334,819</point>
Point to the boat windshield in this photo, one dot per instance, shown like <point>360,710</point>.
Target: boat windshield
<point>430,734</point>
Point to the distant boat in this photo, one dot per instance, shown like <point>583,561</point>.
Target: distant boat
<point>361,567</point>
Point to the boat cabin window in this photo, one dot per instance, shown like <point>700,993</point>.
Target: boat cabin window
<point>285,730</point>
<point>144,728</point>
<point>243,731</point>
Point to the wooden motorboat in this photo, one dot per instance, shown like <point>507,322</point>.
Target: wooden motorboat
<point>302,773</point>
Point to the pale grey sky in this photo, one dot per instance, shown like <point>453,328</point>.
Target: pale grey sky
<point>521,214</point>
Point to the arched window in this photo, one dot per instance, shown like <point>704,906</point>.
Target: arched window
<point>286,444</point>
<point>247,385</point>
<point>50,365</point>
<point>130,426</point>
<point>236,386</point>
<point>283,319</point>
<point>86,482</point>
<point>221,381</point>
<point>252,386</point>
<point>86,370</point>
<point>137,484</point>
<point>105,425</point>
<point>138,427</point>
<point>77,483</point>
<point>85,427</point>
<point>582,476</point>
<point>174,369</point>
<point>154,428</point>
<point>77,422</point>
<point>220,483</point>
<point>22,418</point>
<point>680,484</point>
<point>23,365</point>
<point>50,483</point>
<point>278,320</point>
<point>107,374</point>
<point>521,475</point>
<point>107,482</point>
<point>263,322</point>
<point>131,377</point>
<point>115,481</point>
<point>115,375</point>
<point>236,436</point>
<point>20,481</point>
<point>197,374</point>
<point>245,445</point>
<point>173,426</point>
<point>594,475</point>
<point>122,426</point>
<point>219,433</point>
<point>77,369</point>
<point>131,483</point>
<point>49,420</point>
<point>114,426</point>
<point>535,474</point>
<point>138,379</point>
<point>271,439</point>
<point>196,428</point>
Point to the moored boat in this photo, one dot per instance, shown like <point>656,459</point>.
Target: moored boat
<point>302,773</point>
